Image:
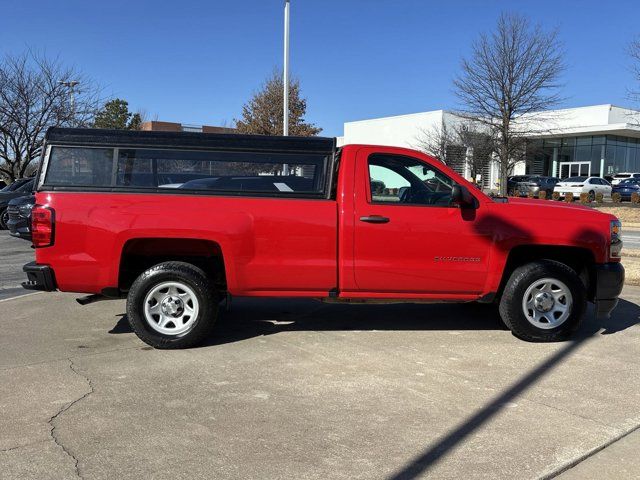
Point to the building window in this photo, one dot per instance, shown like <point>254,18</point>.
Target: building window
<point>621,154</point>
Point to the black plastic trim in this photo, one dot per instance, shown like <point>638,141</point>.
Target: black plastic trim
<point>196,140</point>
<point>488,298</point>
<point>609,283</point>
<point>179,191</point>
<point>39,277</point>
<point>609,280</point>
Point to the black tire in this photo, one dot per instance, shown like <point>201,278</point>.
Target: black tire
<point>4,218</point>
<point>592,196</point>
<point>512,309</point>
<point>183,273</point>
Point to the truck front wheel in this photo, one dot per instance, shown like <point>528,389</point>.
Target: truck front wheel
<point>543,301</point>
<point>172,305</point>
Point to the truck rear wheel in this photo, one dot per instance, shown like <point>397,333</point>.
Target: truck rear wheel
<point>543,301</point>
<point>172,305</point>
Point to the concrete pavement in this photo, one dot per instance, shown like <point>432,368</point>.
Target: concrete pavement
<point>298,389</point>
<point>631,238</point>
<point>14,253</point>
<point>620,460</point>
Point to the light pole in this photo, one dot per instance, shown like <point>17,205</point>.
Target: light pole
<point>71,85</point>
<point>285,80</point>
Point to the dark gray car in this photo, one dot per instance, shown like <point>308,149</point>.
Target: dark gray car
<point>19,188</point>
<point>19,211</point>
<point>535,184</point>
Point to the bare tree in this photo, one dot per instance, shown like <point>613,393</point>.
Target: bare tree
<point>35,95</point>
<point>463,143</point>
<point>435,141</point>
<point>480,147</point>
<point>512,72</point>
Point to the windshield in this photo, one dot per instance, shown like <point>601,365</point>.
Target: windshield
<point>622,175</point>
<point>575,179</point>
<point>25,187</point>
<point>15,185</point>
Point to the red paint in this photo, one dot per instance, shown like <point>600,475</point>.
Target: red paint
<point>293,247</point>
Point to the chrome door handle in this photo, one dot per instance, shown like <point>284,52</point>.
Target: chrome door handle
<point>375,219</point>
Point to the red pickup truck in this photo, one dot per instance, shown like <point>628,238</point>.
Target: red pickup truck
<point>177,222</point>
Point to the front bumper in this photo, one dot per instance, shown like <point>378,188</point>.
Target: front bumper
<point>39,277</point>
<point>609,283</point>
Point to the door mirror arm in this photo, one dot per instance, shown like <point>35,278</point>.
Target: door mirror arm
<point>461,196</point>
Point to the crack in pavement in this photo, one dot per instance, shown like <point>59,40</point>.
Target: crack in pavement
<point>18,447</point>
<point>594,451</point>
<point>51,420</point>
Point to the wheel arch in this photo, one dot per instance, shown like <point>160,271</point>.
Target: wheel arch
<point>579,259</point>
<point>139,254</point>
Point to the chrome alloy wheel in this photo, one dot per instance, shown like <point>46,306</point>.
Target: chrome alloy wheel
<point>547,303</point>
<point>171,308</point>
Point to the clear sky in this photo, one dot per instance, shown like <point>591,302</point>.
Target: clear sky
<point>199,61</point>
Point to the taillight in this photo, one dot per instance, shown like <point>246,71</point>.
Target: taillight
<point>42,223</point>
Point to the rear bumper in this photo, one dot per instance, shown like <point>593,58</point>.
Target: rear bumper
<point>39,277</point>
<point>22,230</point>
<point>609,283</point>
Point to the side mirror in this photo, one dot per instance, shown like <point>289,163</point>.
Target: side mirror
<point>460,196</point>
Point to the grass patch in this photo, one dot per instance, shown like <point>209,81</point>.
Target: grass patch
<point>631,262</point>
<point>627,214</point>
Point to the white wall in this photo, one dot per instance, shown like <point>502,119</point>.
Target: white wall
<point>623,115</point>
<point>399,131</point>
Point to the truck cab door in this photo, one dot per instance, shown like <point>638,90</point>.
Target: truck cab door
<point>408,236</point>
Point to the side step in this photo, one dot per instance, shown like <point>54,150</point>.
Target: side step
<point>92,299</point>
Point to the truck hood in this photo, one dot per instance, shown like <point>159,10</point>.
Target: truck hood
<point>546,222</point>
<point>553,208</point>
<point>545,203</point>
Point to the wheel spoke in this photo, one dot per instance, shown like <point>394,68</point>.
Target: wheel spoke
<point>547,303</point>
<point>171,308</point>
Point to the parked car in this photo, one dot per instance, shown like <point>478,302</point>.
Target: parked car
<point>578,185</point>
<point>536,184</point>
<point>19,211</point>
<point>247,228</point>
<point>19,188</point>
<point>627,187</point>
<point>512,182</point>
<point>618,177</point>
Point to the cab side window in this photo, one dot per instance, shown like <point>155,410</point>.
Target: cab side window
<point>404,180</point>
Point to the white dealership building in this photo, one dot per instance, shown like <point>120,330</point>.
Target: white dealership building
<point>595,140</point>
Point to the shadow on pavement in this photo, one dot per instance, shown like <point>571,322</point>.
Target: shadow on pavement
<point>122,326</point>
<point>256,317</point>
<point>624,316</point>
<point>251,318</point>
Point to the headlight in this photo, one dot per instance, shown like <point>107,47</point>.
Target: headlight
<point>25,210</point>
<point>616,239</point>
